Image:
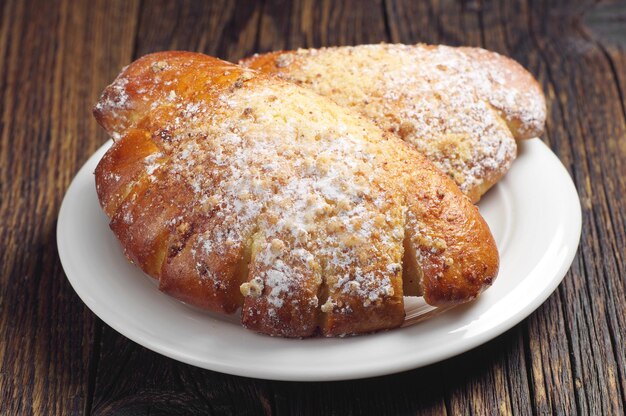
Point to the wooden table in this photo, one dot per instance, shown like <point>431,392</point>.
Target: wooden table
<point>56,357</point>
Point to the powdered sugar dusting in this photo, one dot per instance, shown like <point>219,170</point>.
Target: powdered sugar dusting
<point>303,197</point>
<point>272,189</point>
<point>441,99</point>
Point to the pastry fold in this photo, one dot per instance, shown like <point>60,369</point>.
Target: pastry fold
<point>236,189</point>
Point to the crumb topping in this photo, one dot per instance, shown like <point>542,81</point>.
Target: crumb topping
<point>453,107</point>
<point>300,202</point>
<point>308,189</point>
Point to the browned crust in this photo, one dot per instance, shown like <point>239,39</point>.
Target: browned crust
<point>514,77</point>
<point>155,216</point>
<point>497,79</point>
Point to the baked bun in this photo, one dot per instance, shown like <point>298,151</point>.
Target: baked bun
<point>238,190</point>
<point>462,108</point>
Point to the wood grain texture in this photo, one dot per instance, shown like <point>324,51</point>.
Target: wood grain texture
<point>588,137</point>
<point>226,29</point>
<point>50,77</point>
<point>310,24</point>
<point>56,358</point>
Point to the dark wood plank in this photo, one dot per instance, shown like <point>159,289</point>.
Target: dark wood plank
<point>133,380</point>
<point>447,22</point>
<point>546,338</point>
<point>546,342</point>
<point>55,57</point>
<point>310,24</point>
<point>589,138</point>
<point>226,29</point>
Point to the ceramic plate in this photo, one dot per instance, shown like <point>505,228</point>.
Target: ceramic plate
<point>534,214</point>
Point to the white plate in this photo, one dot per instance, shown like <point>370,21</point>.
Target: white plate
<point>534,214</point>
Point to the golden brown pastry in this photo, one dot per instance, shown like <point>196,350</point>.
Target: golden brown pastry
<point>462,108</point>
<point>238,190</point>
